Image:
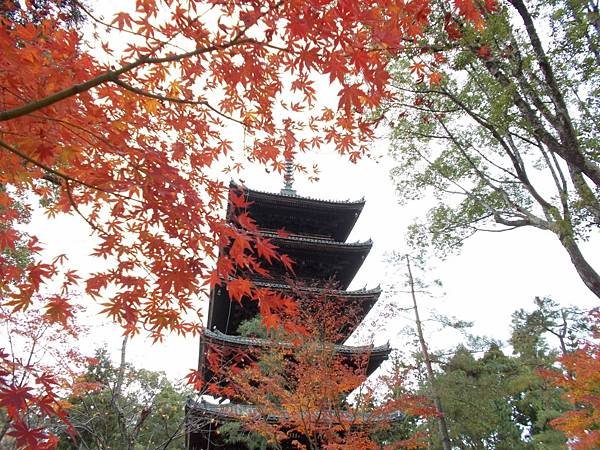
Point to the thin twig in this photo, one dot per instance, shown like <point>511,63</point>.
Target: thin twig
<point>175,100</point>
<point>62,175</point>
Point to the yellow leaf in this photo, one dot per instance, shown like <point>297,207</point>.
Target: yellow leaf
<point>151,105</point>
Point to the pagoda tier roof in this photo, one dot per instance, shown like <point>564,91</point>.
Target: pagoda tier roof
<point>376,354</point>
<point>316,240</point>
<point>226,315</point>
<point>362,292</point>
<point>302,215</point>
<point>288,197</point>
<point>319,259</point>
<point>240,411</point>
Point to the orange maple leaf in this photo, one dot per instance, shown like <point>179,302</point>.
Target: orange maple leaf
<point>435,78</point>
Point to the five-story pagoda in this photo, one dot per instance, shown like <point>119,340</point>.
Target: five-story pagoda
<point>315,239</point>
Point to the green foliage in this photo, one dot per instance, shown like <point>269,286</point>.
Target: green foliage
<point>565,325</point>
<point>477,407</point>
<point>494,400</point>
<point>508,138</point>
<point>497,402</point>
<point>253,328</point>
<point>234,433</point>
<point>146,413</point>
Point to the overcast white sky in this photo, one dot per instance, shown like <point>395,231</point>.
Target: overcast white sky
<point>492,276</point>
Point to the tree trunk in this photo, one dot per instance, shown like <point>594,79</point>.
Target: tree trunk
<point>569,148</point>
<point>116,397</point>
<point>121,373</point>
<point>4,429</point>
<point>586,272</point>
<point>441,420</point>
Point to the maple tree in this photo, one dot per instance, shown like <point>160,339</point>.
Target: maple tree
<point>302,381</point>
<point>580,379</point>
<point>126,139</point>
<point>39,367</point>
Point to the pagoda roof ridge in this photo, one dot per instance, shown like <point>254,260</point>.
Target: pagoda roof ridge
<point>381,350</point>
<point>242,410</point>
<point>316,240</point>
<point>289,195</point>
<point>341,292</point>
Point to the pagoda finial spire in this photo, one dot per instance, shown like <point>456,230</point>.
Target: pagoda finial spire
<point>288,177</point>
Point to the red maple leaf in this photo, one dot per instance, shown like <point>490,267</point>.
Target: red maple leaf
<point>287,262</point>
<point>39,271</point>
<point>15,399</point>
<point>241,244</point>
<point>265,249</point>
<point>246,222</point>
<point>417,68</point>
<point>282,233</point>
<point>31,438</point>
<point>8,238</point>
<point>239,288</point>
<point>451,27</point>
<point>195,379</point>
<point>239,201</point>
<point>469,11</point>
<point>270,321</point>
<point>435,78</point>
<point>485,52</point>
<point>58,309</point>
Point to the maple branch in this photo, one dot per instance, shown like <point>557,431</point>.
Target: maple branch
<point>275,47</point>
<point>53,178</point>
<point>78,211</point>
<point>12,350</point>
<point>112,75</point>
<point>97,136</point>
<point>175,100</point>
<point>64,176</point>
<point>34,342</point>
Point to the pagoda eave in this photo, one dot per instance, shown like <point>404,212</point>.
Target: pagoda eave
<point>284,197</point>
<point>320,259</point>
<point>226,315</point>
<point>376,354</point>
<point>240,412</point>
<point>285,210</point>
<point>362,294</point>
<point>323,244</point>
